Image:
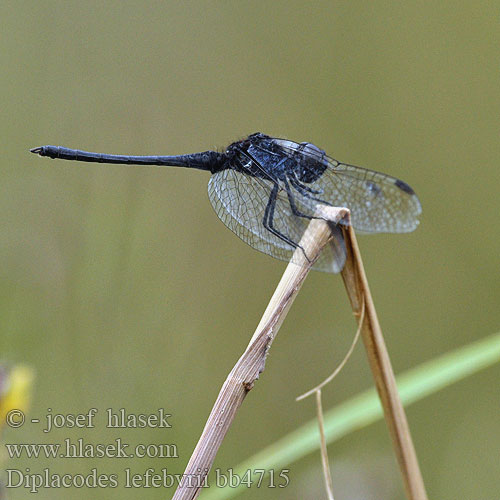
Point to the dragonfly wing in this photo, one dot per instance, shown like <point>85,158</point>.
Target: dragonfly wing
<point>240,202</point>
<point>378,203</point>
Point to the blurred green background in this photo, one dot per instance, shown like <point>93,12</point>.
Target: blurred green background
<point>121,287</point>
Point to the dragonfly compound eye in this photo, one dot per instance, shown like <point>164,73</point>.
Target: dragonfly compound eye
<point>311,161</point>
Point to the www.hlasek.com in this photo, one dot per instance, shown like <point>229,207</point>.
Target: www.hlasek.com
<point>80,448</point>
<point>150,478</point>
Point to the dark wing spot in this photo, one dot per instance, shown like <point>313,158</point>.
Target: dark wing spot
<point>404,187</point>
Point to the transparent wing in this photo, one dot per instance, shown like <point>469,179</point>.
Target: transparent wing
<point>378,203</point>
<point>240,202</point>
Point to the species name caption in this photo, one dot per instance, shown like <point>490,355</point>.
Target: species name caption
<point>75,447</point>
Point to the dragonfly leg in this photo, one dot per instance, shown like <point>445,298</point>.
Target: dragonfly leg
<point>304,190</point>
<point>291,200</point>
<point>294,180</point>
<point>267,222</point>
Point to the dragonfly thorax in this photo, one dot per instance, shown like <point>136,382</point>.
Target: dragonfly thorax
<point>275,159</point>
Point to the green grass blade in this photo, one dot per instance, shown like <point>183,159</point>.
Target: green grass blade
<point>365,409</point>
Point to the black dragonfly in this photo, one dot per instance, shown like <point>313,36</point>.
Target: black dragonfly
<point>266,190</point>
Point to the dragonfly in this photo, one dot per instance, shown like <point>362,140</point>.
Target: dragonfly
<point>267,190</point>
